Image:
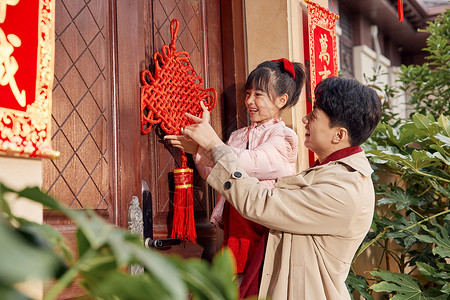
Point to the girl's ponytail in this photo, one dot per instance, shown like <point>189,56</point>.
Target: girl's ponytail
<point>299,81</point>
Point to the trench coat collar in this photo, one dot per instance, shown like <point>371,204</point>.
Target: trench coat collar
<point>357,161</point>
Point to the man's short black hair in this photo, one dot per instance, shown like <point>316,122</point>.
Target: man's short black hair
<point>351,105</point>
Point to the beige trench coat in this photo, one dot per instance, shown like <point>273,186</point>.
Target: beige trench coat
<point>317,221</point>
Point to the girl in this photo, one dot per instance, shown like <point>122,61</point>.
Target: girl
<point>267,149</point>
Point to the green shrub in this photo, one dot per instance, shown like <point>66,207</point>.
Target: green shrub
<point>412,222</point>
<point>35,251</point>
<point>428,84</point>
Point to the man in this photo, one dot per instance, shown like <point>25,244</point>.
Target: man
<point>318,218</point>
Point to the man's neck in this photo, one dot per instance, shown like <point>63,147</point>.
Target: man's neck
<point>339,154</point>
<point>323,156</point>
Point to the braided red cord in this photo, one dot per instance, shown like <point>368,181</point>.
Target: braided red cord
<point>400,10</point>
<point>173,90</point>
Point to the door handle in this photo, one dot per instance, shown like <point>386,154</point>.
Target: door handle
<point>162,244</point>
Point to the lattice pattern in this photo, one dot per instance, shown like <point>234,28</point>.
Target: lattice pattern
<point>79,176</point>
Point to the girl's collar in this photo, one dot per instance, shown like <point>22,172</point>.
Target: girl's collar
<point>266,124</point>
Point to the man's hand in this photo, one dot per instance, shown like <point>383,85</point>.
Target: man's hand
<point>202,132</point>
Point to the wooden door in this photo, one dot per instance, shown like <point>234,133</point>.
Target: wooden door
<point>101,48</point>
<point>81,113</point>
<point>199,34</point>
<point>95,113</point>
<point>82,117</point>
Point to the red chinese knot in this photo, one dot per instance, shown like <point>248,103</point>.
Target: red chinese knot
<point>173,90</point>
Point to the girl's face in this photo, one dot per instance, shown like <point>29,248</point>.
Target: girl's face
<point>260,107</point>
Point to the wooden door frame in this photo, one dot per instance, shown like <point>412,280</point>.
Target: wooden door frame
<point>126,97</point>
<point>234,65</point>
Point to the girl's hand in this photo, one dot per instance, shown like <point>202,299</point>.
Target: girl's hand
<point>183,143</point>
<point>202,132</point>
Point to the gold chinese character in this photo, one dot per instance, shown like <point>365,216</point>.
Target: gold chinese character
<point>323,49</point>
<point>9,65</point>
<point>3,4</point>
<point>325,73</point>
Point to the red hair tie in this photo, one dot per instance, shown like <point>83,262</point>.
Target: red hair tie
<point>288,66</point>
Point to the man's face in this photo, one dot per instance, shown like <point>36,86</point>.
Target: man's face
<point>319,135</point>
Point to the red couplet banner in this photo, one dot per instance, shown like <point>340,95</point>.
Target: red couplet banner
<point>322,44</point>
<point>26,77</point>
<point>321,49</point>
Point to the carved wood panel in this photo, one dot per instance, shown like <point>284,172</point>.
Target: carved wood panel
<point>81,117</point>
<point>79,177</point>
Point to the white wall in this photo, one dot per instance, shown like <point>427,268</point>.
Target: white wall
<point>365,63</point>
<point>18,173</point>
<point>274,29</point>
<point>365,66</point>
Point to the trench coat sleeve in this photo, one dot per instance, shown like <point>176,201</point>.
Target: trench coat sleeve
<point>318,207</point>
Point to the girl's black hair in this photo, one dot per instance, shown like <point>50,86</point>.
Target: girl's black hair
<point>272,78</point>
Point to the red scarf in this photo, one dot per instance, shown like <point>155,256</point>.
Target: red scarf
<point>252,278</point>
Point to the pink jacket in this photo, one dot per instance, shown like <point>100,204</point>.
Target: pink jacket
<point>271,152</point>
<point>267,151</point>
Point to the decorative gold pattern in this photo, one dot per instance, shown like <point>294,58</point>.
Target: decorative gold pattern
<point>320,17</point>
<point>27,134</point>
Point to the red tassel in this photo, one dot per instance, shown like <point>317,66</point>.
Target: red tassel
<point>400,9</point>
<point>183,226</point>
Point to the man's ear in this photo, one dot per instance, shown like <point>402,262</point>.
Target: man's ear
<point>340,136</point>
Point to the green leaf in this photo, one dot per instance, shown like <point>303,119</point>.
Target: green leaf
<point>437,276</point>
<point>225,267</point>
<point>424,123</point>
<point>224,263</point>
<point>425,238</point>
<point>8,293</point>
<point>49,235</point>
<point>358,283</point>
<point>446,288</point>
<point>3,204</point>
<point>117,285</point>
<point>83,244</point>
<point>403,284</point>
<point>416,161</point>
<point>423,159</point>
<point>441,238</point>
<point>204,282</point>
<point>94,229</point>
<point>35,194</point>
<point>164,271</point>
<point>445,140</point>
<point>440,154</point>
<point>444,124</point>
<point>399,197</point>
<point>35,260</point>
<point>443,246</point>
